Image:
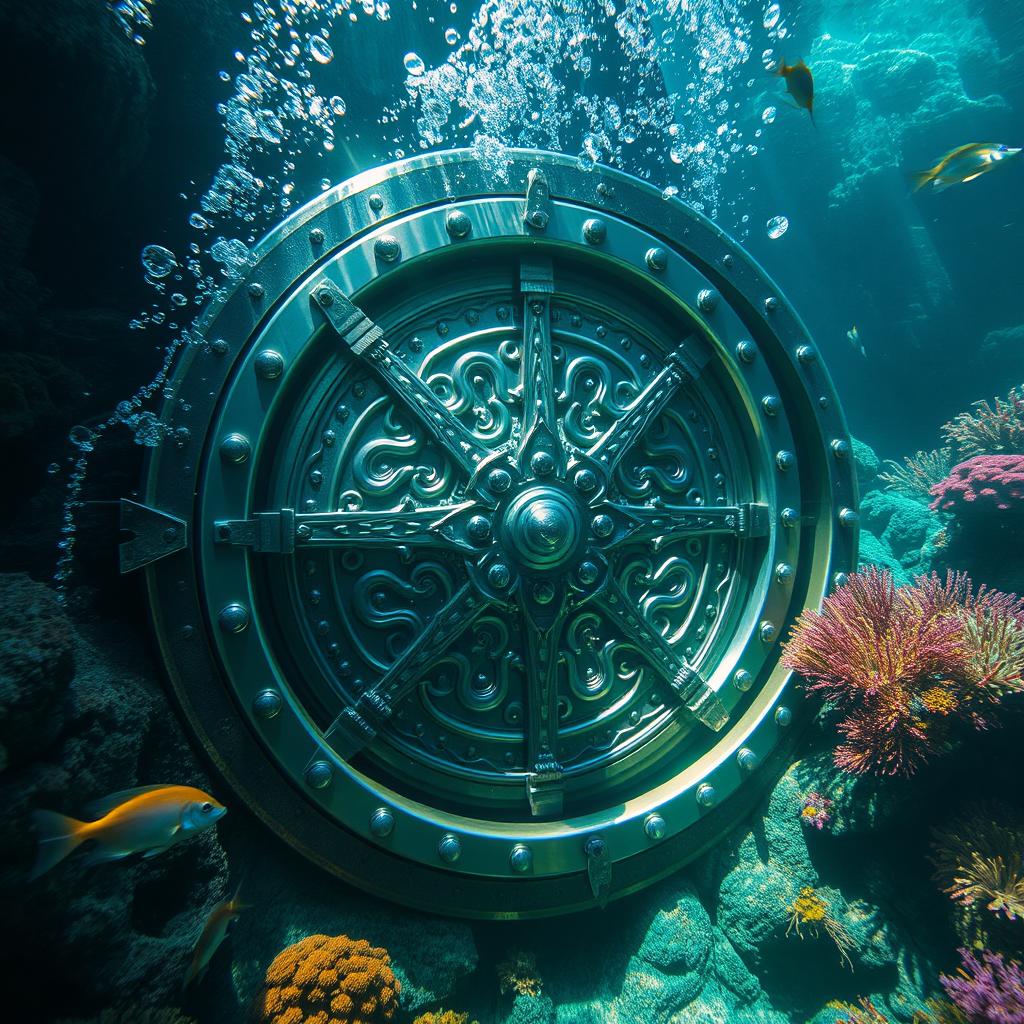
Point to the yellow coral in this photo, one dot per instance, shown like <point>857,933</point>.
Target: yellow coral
<point>807,907</point>
<point>810,909</point>
<point>442,1017</point>
<point>517,973</point>
<point>328,980</point>
<point>939,701</point>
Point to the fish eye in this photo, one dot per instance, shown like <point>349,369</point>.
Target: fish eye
<point>206,808</point>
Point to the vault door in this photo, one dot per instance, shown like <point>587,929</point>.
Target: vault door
<point>499,498</point>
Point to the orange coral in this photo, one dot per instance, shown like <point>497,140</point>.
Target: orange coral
<point>517,973</point>
<point>328,980</point>
<point>442,1017</point>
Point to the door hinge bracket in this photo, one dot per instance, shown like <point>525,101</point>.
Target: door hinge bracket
<point>537,208</point>
<point>267,532</point>
<point>156,535</point>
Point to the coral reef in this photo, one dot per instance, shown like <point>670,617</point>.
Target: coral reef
<point>918,474</point>
<point>328,980</point>
<point>987,429</point>
<point>518,974</point>
<point>899,532</point>
<point>984,486</point>
<point>987,991</point>
<point>866,1013</point>
<point>810,911</point>
<point>443,1017</point>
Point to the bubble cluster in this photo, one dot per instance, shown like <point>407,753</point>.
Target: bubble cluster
<point>133,17</point>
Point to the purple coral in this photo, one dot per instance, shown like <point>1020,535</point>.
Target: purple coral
<point>987,993</point>
<point>984,485</point>
<point>815,811</point>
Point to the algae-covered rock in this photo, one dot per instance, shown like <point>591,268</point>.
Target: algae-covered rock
<point>867,465</point>
<point>905,530</point>
<point>538,1009</point>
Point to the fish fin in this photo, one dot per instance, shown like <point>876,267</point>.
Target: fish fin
<point>57,836</point>
<point>104,855</point>
<point>964,181</point>
<point>193,975</point>
<point>105,804</point>
<point>921,178</point>
<point>156,851</point>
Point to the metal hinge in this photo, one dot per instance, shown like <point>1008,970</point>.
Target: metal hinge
<point>599,868</point>
<point>754,520</point>
<point>700,699</point>
<point>537,209</point>
<point>156,535</point>
<point>269,532</point>
<point>545,789</point>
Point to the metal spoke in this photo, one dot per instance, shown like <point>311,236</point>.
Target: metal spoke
<point>633,524</point>
<point>358,724</point>
<point>624,432</point>
<point>544,785</point>
<point>686,682</point>
<point>366,340</point>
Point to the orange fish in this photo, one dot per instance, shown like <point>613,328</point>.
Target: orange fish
<point>799,84</point>
<point>215,931</point>
<point>146,821</point>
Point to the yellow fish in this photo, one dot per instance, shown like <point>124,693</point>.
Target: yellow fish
<point>215,931</point>
<point>799,84</point>
<point>146,821</point>
<point>963,164</point>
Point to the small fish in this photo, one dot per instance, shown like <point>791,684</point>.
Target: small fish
<point>853,337</point>
<point>799,84</point>
<point>215,931</point>
<point>146,821</point>
<point>962,165</point>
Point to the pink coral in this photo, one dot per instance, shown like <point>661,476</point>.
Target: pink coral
<point>986,484</point>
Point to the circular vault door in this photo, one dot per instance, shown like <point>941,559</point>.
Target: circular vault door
<point>497,501</point>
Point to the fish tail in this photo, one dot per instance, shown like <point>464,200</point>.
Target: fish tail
<point>921,178</point>
<point>57,836</point>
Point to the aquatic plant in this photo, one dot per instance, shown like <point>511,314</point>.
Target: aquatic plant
<point>984,430</point>
<point>815,810</point>
<point>987,991</point>
<point>518,974</point>
<point>810,911</point>
<point>918,474</point>
<point>865,1013</point>
<point>442,1017</point>
<point>977,860</point>
<point>325,979</point>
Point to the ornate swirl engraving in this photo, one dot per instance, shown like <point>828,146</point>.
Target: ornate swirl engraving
<point>476,388</point>
<point>591,663</point>
<point>594,398</point>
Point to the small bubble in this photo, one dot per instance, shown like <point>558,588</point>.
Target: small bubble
<point>157,261</point>
<point>451,36</point>
<point>771,16</point>
<point>320,50</point>
<point>338,106</point>
<point>414,64</point>
<point>53,468</point>
<point>768,115</point>
<point>777,226</point>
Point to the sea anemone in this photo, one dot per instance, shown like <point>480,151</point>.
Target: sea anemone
<point>985,430</point>
<point>918,474</point>
<point>987,991</point>
<point>810,911</point>
<point>815,810</point>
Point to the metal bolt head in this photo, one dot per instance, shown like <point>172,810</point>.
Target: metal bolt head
<point>233,617</point>
<point>499,575</point>
<point>376,202</point>
<point>771,304</point>
<point>449,849</point>
<point>848,518</point>
<point>840,448</point>
<point>767,631</point>
<point>256,291</point>
<point>316,237</point>
<point>387,248</point>
<point>538,219</point>
<point>727,260</point>
<point>382,822</point>
<point>747,759</point>
<point>325,297</point>
<point>219,347</point>
<point>457,224</point>
<point>499,480</point>
<point>746,351</point>
<point>319,775</point>
<point>656,259</point>
<point>542,463</point>
<point>594,846</point>
<point>585,480</point>
<point>520,860</point>
<point>806,354</point>
<point>479,528</point>
<point>234,448</point>
<point>267,704</point>
<point>783,716</point>
<point>707,300</point>
<point>544,592</point>
<point>784,573</point>
<point>706,795</point>
<point>785,460</point>
<point>840,579</point>
<point>771,405</point>
<point>269,365</point>
<point>602,525</point>
<point>588,573</point>
<point>655,827</point>
<point>790,517</point>
<point>594,231</point>
<point>742,680</point>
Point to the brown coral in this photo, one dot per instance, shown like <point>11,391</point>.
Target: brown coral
<point>328,980</point>
<point>518,974</point>
<point>442,1017</point>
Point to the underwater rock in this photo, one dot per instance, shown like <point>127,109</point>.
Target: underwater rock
<point>36,393</point>
<point>538,1009</point>
<point>867,463</point>
<point>19,203</point>
<point>903,527</point>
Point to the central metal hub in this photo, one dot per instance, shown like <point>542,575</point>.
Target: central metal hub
<point>542,527</point>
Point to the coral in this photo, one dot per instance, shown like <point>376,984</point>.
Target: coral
<point>443,1017</point>
<point>517,973</point>
<point>866,464</point>
<point>866,1013</point>
<point>977,860</point>
<point>328,980</point>
<point>939,1011</point>
<point>988,992</point>
<point>982,487</point>
<point>815,810</point>
<point>918,474</point>
<point>810,910</point>
<point>987,430</point>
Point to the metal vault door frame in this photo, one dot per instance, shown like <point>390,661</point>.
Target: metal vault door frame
<point>348,242</point>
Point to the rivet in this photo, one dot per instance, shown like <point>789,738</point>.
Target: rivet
<point>785,460</point>
<point>544,592</point>
<point>783,716</point>
<point>654,826</point>
<point>187,632</point>
<point>376,202</point>
<point>219,347</point>
<point>840,579</point>
<point>316,237</point>
<point>707,300</point>
<point>319,775</point>
<point>382,822</point>
<point>742,680</point>
<point>235,448</point>
<point>771,405</point>
<point>747,759</point>
<point>806,354</point>
<point>790,517</point>
<point>538,219</point>
<point>457,224</point>
<point>542,463</point>
<point>267,704</point>
<point>656,259</point>
<point>588,573</point>
<point>602,525</point>
<point>840,448</point>
<point>479,528</point>
<point>269,364</point>
<point>449,849</point>
<point>387,248</point>
<point>499,480</point>
<point>783,573</point>
<point>766,631</point>
<point>520,859</point>
<point>847,517</point>
<point>585,480</point>
<point>325,297</point>
<point>746,351</point>
<point>499,575</point>
<point>233,617</point>
<point>256,290</point>
<point>771,304</point>
<point>170,534</point>
<point>594,231</point>
<point>727,260</point>
<point>706,795</point>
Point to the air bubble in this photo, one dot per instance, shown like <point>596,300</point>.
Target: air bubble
<point>414,64</point>
<point>320,50</point>
<point>768,114</point>
<point>157,261</point>
<point>771,16</point>
<point>777,226</point>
